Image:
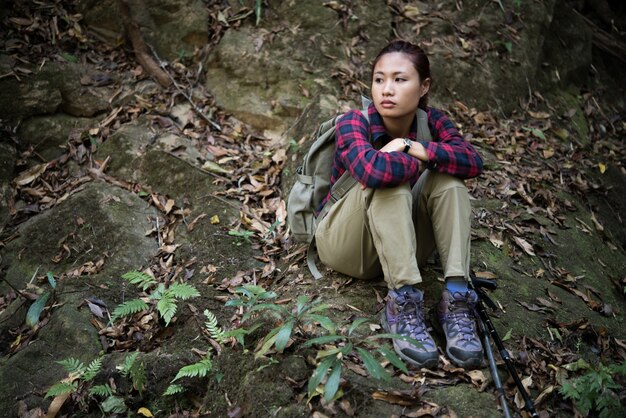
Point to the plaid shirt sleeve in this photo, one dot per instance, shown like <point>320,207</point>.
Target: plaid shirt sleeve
<point>370,167</point>
<point>448,152</point>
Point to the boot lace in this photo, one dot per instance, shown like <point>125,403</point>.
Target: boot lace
<point>411,316</point>
<point>460,313</point>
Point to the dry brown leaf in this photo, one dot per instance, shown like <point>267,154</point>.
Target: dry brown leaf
<point>539,115</point>
<point>526,384</point>
<point>525,245</point>
<point>397,397</point>
<point>498,243</point>
<point>31,174</point>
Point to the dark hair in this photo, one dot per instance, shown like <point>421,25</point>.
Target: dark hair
<point>417,56</point>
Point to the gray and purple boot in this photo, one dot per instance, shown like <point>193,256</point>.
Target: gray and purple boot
<point>456,317</point>
<point>403,315</point>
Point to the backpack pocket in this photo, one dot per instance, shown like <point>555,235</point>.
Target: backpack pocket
<point>300,208</point>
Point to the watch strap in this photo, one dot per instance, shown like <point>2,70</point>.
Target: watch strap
<point>407,145</point>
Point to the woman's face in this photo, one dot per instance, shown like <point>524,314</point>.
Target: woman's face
<point>396,86</point>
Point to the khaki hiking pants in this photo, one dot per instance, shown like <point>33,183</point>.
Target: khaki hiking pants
<point>389,232</point>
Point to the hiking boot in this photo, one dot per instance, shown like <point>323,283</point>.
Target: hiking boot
<point>403,315</point>
<point>456,316</point>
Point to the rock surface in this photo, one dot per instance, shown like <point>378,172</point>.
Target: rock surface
<point>274,85</point>
<point>173,27</point>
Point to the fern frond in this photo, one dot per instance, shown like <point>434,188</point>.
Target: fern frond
<point>167,307</point>
<point>72,365</point>
<point>173,389</point>
<point>158,292</point>
<point>199,369</point>
<point>140,279</point>
<point>114,404</point>
<point>129,307</point>
<point>101,390</point>
<point>138,376</point>
<point>213,328</point>
<point>128,363</point>
<point>62,388</point>
<point>183,291</point>
<point>93,369</point>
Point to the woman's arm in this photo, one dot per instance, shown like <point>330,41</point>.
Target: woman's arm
<point>448,152</point>
<point>370,167</point>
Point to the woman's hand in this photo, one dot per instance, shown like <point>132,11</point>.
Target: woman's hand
<point>396,144</point>
<point>416,150</point>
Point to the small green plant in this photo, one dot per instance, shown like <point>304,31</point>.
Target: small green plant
<point>80,379</point>
<point>166,298</point>
<point>249,296</point>
<point>346,344</point>
<point>204,366</point>
<point>304,313</point>
<point>597,389</point>
<point>257,10</point>
<point>35,310</point>
<point>306,323</point>
<point>78,376</point>
<point>243,236</point>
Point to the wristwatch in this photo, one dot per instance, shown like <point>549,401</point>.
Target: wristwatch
<point>407,145</point>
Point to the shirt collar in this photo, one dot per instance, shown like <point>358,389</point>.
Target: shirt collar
<point>377,127</point>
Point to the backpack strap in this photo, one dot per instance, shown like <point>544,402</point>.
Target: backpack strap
<point>423,132</point>
<point>343,184</point>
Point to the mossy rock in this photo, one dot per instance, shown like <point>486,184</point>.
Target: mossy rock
<point>99,222</point>
<point>173,27</point>
<point>49,135</point>
<point>8,157</point>
<point>273,87</point>
<point>68,334</point>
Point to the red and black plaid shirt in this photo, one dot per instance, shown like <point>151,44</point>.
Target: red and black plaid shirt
<point>355,141</point>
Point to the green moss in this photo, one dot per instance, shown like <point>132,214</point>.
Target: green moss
<point>567,100</point>
<point>466,401</point>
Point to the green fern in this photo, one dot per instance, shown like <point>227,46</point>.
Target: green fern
<point>129,307</point>
<point>138,377</point>
<point>72,365</point>
<point>158,292</point>
<point>135,370</point>
<point>199,369</point>
<point>62,388</point>
<point>167,307</point>
<point>140,279</point>
<point>128,363</point>
<point>213,328</point>
<point>92,370</point>
<point>114,404</point>
<point>173,389</point>
<point>183,291</point>
<point>101,390</point>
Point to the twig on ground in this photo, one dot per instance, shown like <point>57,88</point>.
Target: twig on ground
<point>186,95</point>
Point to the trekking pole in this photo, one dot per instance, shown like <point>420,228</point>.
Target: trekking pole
<point>477,284</point>
<point>494,369</point>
